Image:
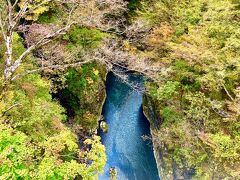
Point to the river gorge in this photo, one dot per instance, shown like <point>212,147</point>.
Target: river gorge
<point>126,149</point>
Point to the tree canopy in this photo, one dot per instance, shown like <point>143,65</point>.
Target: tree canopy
<point>54,57</point>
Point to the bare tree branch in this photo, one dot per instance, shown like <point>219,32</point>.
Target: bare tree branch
<point>9,13</point>
<point>46,39</point>
<point>21,13</point>
<point>95,15</point>
<point>64,66</point>
<point>11,107</point>
<point>229,95</point>
<point>2,27</point>
<point>15,4</point>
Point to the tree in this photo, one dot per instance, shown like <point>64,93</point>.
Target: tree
<point>94,16</point>
<point>9,22</point>
<point>196,95</point>
<point>58,157</point>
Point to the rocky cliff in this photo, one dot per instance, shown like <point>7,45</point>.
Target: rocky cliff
<point>167,167</point>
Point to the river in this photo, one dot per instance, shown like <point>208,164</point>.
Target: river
<point>126,150</point>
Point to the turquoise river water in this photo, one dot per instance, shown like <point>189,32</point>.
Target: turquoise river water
<point>126,150</point>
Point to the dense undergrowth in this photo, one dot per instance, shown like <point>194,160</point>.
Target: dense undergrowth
<point>84,91</point>
<point>35,142</point>
<point>197,94</point>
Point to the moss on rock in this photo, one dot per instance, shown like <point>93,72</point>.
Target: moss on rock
<point>104,126</point>
<point>85,95</point>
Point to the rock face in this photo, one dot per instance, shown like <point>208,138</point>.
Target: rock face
<point>104,126</point>
<point>167,168</point>
<point>84,96</point>
<point>151,115</point>
<point>113,173</point>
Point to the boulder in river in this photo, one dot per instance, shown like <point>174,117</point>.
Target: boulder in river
<point>104,126</point>
<point>113,173</point>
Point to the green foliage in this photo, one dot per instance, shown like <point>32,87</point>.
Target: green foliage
<point>55,158</point>
<point>84,94</point>
<point>84,37</point>
<point>168,91</point>
<point>15,151</point>
<point>63,147</point>
<point>32,95</point>
<point>169,115</point>
<point>225,148</point>
<point>34,143</point>
<point>36,8</point>
<point>96,155</point>
<point>198,95</point>
<point>197,108</point>
<point>49,17</point>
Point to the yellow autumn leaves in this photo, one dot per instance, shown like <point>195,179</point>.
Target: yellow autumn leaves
<point>35,8</point>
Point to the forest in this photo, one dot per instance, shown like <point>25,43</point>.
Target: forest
<point>55,58</point>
